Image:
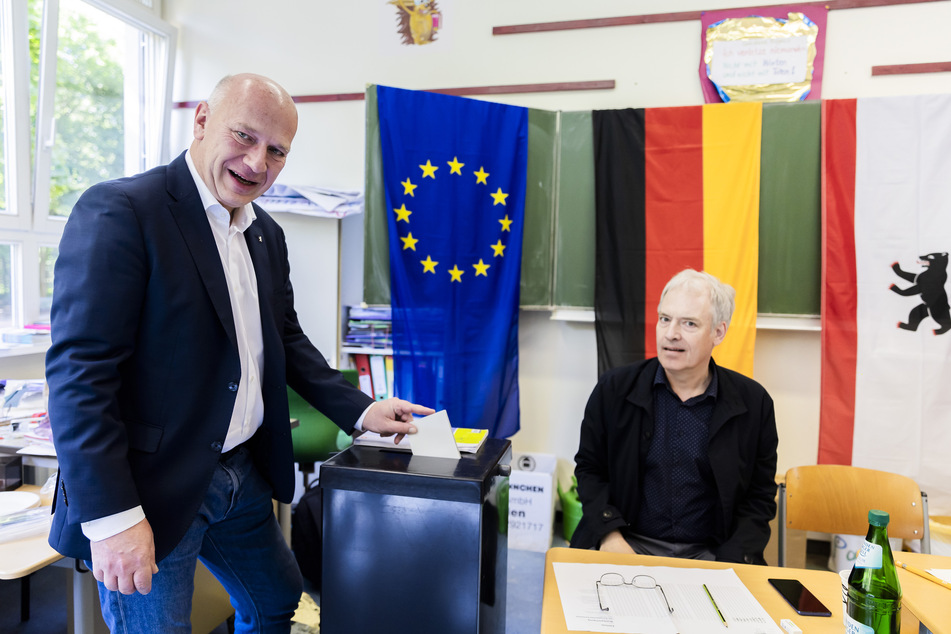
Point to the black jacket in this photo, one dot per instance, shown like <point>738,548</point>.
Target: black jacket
<point>616,433</point>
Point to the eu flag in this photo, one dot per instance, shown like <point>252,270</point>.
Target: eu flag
<point>454,176</point>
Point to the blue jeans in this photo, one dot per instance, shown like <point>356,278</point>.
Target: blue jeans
<point>237,537</point>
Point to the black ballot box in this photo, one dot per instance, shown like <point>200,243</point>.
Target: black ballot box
<point>412,543</point>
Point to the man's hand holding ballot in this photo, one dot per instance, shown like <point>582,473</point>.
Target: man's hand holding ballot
<point>393,416</point>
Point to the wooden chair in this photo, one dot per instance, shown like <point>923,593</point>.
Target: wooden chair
<point>837,499</point>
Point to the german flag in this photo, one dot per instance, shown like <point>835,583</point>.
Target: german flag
<point>675,188</point>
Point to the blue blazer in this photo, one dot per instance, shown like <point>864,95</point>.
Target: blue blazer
<point>143,367</point>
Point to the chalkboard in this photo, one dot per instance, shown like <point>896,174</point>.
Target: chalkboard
<point>540,201</point>
<point>376,255</point>
<point>559,243</point>
<point>789,216</point>
<point>574,219</point>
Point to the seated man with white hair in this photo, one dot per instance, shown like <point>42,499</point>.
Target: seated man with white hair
<point>678,455</point>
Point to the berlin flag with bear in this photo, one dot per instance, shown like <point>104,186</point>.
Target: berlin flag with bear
<point>886,345</point>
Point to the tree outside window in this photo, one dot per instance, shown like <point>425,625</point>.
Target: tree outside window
<point>88,107</point>
<point>88,103</point>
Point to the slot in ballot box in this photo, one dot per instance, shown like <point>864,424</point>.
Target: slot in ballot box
<point>412,543</point>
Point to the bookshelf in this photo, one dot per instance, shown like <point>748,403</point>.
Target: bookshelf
<point>367,346</point>
<point>365,350</point>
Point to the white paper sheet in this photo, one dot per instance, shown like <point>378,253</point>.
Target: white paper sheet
<point>941,573</point>
<point>434,437</point>
<point>38,449</point>
<point>636,610</point>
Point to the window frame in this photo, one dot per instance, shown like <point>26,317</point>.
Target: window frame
<point>15,49</point>
<point>152,148</point>
<point>30,227</point>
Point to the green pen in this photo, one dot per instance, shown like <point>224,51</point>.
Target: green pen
<point>715,607</point>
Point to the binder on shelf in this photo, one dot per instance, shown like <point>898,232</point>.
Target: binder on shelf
<point>362,362</point>
<point>378,374</point>
<point>388,364</point>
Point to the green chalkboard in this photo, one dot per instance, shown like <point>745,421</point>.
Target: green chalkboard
<point>559,243</point>
<point>376,255</point>
<point>574,228</point>
<point>790,218</point>
<point>536,287</point>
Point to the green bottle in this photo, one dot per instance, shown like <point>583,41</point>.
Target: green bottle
<point>874,605</point>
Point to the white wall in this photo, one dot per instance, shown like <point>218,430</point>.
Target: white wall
<point>319,47</point>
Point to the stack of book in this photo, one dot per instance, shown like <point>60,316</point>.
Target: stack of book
<point>369,328</point>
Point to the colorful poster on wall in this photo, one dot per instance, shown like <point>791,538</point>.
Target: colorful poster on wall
<point>768,54</point>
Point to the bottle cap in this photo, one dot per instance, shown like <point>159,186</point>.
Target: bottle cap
<point>878,518</point>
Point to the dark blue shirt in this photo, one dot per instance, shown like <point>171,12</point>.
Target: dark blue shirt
<point>678,498</point>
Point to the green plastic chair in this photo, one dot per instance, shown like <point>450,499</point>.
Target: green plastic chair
<point>570,509</point>
<point>316,438</point>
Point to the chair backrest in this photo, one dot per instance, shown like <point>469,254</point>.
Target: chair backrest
<point>837,498</point>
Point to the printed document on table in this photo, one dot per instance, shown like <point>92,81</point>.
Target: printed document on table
<point>634,610</point>
<point>943,574</point>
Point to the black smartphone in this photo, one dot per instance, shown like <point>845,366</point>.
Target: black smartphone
<point>799,597</point>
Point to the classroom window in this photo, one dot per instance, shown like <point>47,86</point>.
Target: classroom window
<point>88,124</point>
<point>84,97</point>
<point>7,279</point>
<point>104,104</point>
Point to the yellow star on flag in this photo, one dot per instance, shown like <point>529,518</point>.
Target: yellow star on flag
<point>402,213</point>
<point>456,273</point>
<point>481,268</point>
<point>429,265</point>
<point>498,247</point>
<point>499,197</point>
<point>506,223</point>
<point>481,176</point>
<point>429,170</point>
<point>408,187</point>
<point>455,167</point>
<point>409,242</point>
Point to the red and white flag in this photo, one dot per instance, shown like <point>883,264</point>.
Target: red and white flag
<point>886,324</point>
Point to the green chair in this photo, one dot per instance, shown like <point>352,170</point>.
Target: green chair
<point>316,438</point>
<point>570,509</point>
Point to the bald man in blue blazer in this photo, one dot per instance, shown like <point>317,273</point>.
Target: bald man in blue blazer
<point>174,340</point>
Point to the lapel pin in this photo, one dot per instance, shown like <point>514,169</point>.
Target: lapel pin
<point>260,239</point>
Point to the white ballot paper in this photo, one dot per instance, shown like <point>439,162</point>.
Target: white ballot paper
<point>636,610</point>
<point>434,437</point>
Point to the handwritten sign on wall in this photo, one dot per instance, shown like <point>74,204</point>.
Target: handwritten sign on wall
<point>760,61</point>
<point>762,55</point>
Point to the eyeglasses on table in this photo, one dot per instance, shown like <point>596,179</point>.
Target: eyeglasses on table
<point>643,582</point>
